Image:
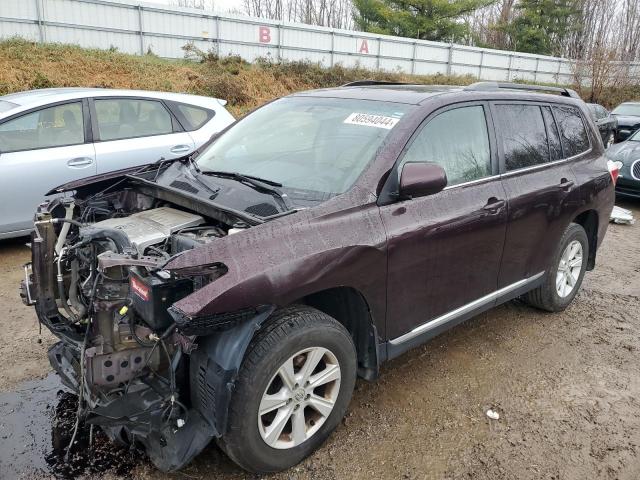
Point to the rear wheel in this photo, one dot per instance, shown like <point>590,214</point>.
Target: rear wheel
<point>564,277</point>
<point>293,389</point>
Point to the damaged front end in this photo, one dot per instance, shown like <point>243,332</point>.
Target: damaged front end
<point>143,372</point>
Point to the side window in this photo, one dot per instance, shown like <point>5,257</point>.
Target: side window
<point>572,131</point>
<point>120,118</point>
<point>555,147</point>
<point>523,134</point>
<point>57,126</point>
<point>195,117</point>
<point>457,140</point>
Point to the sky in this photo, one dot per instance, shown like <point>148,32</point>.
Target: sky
<point>218,5</point>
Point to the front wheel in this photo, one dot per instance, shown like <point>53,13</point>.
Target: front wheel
<point>293,389</point>
<point>564,278</point>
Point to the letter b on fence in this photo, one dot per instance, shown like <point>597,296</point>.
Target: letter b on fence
<point>264,34</point>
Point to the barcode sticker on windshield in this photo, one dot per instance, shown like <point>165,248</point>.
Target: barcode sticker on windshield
<point>368,120</point>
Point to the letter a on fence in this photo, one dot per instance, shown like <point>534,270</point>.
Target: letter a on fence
<point>364,47</point>
<point>264,34</point>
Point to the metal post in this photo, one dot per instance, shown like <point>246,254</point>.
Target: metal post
<point>280,30</point>
<point>450,59</point>
<point>413,58</point>
<point>480,66</point>
<point>378,55</point>
<point>218,36</point>
<point>140,24</point>
<point>509,68</point>
<point>333,42</point>
<point>535,73</point>
<point>558,73</point>
<point>40,20</point>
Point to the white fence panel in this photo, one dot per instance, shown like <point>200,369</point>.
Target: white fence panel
<point>135,27</point>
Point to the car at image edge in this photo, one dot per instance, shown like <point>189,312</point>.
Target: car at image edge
<point>53,136</point>
<point>235,296</point>
<point>628,154</point>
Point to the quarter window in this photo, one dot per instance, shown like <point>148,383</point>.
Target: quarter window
<point>572,132</point>
<point>195,117</point>
<point>57,126</point>
<point>524,138</point>
<point>457,140</point>
<point>128,118</point>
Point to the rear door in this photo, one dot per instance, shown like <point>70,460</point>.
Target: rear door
<point>40,150</point>
<point>135,131</point>
<point>444,249</point>
<point>540,185</point>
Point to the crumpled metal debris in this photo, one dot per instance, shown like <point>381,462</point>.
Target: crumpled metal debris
<point>622,216</point>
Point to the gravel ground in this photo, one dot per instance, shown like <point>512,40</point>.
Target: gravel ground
<point>566,386</point>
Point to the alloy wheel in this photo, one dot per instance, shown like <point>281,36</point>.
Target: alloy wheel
<point>299,398</point>
<point>569,268</point>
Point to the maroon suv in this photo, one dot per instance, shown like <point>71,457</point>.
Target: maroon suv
<point>236,294</point>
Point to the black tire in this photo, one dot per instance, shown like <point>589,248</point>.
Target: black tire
<point>287,332</point>
<point>546,297</point>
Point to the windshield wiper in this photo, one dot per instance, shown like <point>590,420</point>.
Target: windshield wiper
<point>258,183</point>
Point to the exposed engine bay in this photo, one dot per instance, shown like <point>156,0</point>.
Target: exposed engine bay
<point>98,283</point>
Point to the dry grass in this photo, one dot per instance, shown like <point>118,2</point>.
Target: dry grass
<point>26,65</point>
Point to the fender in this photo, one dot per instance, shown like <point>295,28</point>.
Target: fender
<point>214,368</point>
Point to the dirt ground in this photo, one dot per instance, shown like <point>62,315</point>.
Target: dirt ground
<point>567,387</point>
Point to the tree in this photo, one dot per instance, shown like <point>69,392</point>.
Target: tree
<point>439,20</point>
<point>543,26</point>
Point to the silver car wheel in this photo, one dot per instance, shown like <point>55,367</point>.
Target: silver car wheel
<point>569,269</point>
<point>299,398</point>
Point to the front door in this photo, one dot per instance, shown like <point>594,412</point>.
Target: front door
<point>40,150</point>
<point>444,250</point>
<point>136,131</point>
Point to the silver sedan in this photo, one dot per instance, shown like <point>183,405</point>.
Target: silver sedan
<point>52,136</point>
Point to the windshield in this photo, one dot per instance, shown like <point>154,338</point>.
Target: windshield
<point>635,137</point>
<point>307,144</point>
<point>6,106</point>
<point>628,109</point>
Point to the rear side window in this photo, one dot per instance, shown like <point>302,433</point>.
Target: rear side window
<point>555,148</point>
<point>523,134</point>
<point>194,117</point>
<point>457,140</point>
<point>572,131</point>
<point>121,118</point>
<point>57,126</point>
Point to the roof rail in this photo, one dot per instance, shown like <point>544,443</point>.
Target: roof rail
<point>364,83</point>
<point>565,92</point>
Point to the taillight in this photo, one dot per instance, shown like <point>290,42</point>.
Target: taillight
<point>614,170</point>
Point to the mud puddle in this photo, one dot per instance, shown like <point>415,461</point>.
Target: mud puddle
<point>36,425</point>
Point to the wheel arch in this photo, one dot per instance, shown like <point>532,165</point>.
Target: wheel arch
<point>349,307</point>
<point>589,221</point>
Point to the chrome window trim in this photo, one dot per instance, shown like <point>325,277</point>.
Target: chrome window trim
<point>631,169</point>
<point>469,307</point>
<point>543,165</point>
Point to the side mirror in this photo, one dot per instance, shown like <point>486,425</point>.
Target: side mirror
<point>421,179</point>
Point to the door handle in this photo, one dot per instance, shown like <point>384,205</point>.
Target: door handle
<point>566,185</point>
<point>494,205</point>
<point>180,149</point>
<point>80,162</point>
